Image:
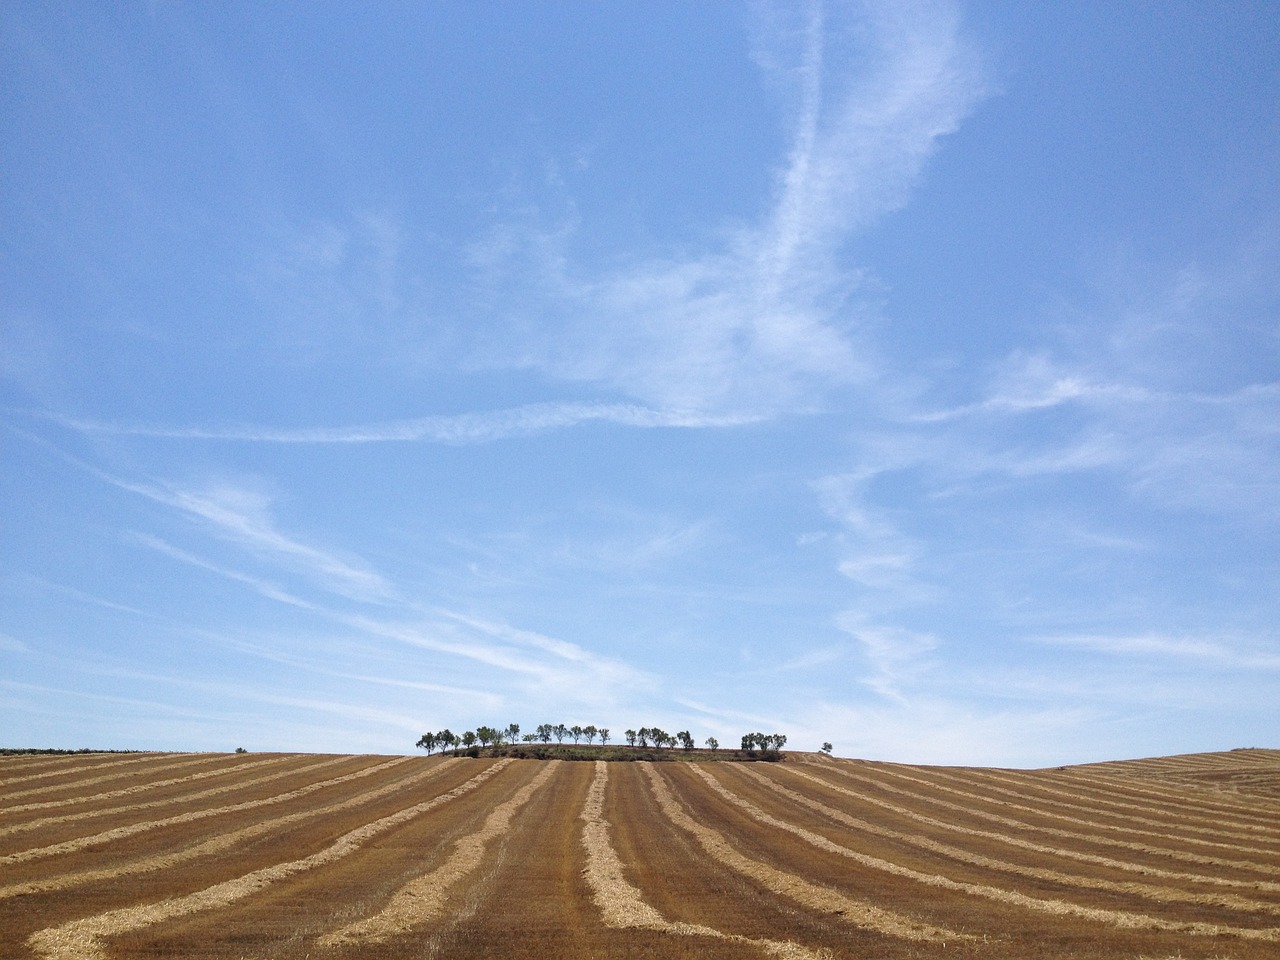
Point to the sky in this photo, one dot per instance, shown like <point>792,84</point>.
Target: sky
<point>903,376</point>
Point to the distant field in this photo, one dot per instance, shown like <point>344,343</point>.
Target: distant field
<point>294,856</point>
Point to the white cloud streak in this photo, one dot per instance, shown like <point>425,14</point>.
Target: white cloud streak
<point>763,325</point>
<point>455,430</point>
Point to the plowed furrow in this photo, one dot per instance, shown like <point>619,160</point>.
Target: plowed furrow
<point>82,939</point>
<point>1100,839</point>
<point>147,787</point>
<point>790,885</point>
<point>1159,894</point>
<point>120,833</point>
<point>1055,907</point>
<point>79,785</point>
<point>231,839</point>
<point>180,800</point>
<point>1032,846</point>
<point>423,899</point>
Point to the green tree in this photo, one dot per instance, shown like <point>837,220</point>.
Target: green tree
<point>427,742</point>
<point>604,735</point>
<point>576,732</point>
<point>590,731</point>
<point>631,738</point>
<point>486,735</point>
<point>545,732</point>
<point>469,739</point>
<point>686,739</point>
<point>712,743</point>
<point>561,732</point>
<point>827,748</point>
<point>513,732</point>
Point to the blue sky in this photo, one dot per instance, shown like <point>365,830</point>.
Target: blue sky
<point>905,376</point>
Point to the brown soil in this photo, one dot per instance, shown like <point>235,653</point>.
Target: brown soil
<point>297,856</point>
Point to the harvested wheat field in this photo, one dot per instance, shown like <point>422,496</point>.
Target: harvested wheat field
<point>293,856</point>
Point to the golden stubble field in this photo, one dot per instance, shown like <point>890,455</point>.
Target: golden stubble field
<point>294,856</point>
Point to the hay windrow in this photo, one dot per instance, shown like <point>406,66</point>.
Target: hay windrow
<point>1056,907</point>
<point>81,939</point>
<point>233,838</point>
<point>119,833</point>
<point>1130,888</point>
<point>69,765</point>
<point>1182,798</point>
<point>1018,785</point>
<point>148,786</point>
<point>1024,844</point>
<point>424,898</point>
<point>90,781</point>
<point>857,912</point>
<point>1173,853</point>
<point>172,801</point>
<point>621,905</point>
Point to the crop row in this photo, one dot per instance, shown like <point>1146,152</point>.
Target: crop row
<point>294,856</point>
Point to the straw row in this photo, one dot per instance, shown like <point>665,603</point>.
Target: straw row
<point>857,912</point>
<point>1142,890</point>
<point>82,939</point>
<point>186,798</point>
<point>119,833</point>
<point>1115,918</point>
<point>231,839</point>
<point>622,906</point>
<point>1094,838</point>
<point>1021,843</point>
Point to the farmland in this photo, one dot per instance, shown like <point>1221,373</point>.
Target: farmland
<point>293,855</point>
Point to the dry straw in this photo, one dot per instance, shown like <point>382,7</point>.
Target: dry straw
<point>622,906</point>
<point>67,765</point>
<point>186,798</point>
<point>82,939</point>
<point>227,841</point>
<point>424,898</point>
<point>1021,843</point>
<point>1093,838</point>
<point>1114,918</point>
<point>1142,890</point>
<point>857,912</point>
<point>149,785</point>
<point>1132,812</point>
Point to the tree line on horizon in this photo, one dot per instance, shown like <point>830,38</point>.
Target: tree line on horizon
<point>544,733</point>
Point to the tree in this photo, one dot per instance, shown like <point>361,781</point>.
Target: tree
<point>591,731</point>
<point>779,740</point>
<point>686,739</point>
<point>827,748</point>
<point>631,738</point>
<point>427,742</point>
<point>530,738</point>
<point>604,735</point>
<point>713,743</point>
<point>748,743</point>
<point>576,732</point>
<point>561,732</point>
<point>545,732</point>
<point>446,739</point>
<point>659,737</point>
<point>513,732</point>
<point>643,735</point>
<point>486,735</point>
<point>469,739</point>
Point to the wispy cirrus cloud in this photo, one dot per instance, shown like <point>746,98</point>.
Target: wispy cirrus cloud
<point>1212,651</point>
<point>454,429</point>
<point>765,323</point>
